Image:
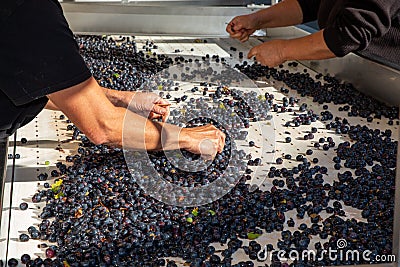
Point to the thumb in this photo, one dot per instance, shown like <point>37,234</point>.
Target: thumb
<point>252,53</point>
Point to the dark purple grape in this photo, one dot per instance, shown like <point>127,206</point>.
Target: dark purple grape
<point>50,253</point>
<point>23,238</point>
<point>23,206</point>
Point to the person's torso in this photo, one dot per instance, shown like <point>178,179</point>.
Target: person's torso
<point>328,10</point>
<point>7,7</point>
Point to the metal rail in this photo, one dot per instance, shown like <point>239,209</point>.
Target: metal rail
<point>177,20</point>
<point>3,214</point>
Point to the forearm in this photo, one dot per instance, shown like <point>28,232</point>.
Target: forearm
<point>118,98</point>
<point>88,107</point>
<point>310,47</point>
<point>285,13</point>
<point>139,133</point>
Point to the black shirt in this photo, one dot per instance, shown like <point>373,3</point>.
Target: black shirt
<point>38,56</point>
<point>371,28</point>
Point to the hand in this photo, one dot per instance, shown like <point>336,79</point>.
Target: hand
<point>206,140</point>
<point>146,104</point>
<point>269,53</point>
<point>241,27</point>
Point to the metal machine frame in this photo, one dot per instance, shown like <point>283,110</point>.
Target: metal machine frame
<point>3,201</point>
<point>208,19</point>
<point>150,19</point>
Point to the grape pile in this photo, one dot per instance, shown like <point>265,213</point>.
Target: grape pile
<point>96,214</point>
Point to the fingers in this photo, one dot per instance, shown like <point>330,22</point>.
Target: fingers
<point>162,107</point>
<point>252,53</point>
<point>241,28</point>
<point>244,37</point>
<point>167,110</point>
<point>207,141</point>
<point>235,29</point>
<point>218,140</point>
<point>162,101</point>
<point>236,34</point>
<point>154,116</point>
<point>229,28</point>
<point>159,109</point>
<point>206,148</point>
<point>166,115</point>
<point>221,142</point>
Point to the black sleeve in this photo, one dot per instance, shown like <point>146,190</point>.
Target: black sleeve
<point>7,8</point>
<point>356,23</point>
<point>309,9</point>
<point>38,53</point>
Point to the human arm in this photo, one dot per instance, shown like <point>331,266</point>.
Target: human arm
<point>285,13</point>
<point>143,103</point>
<point>353,27</point>
<point>87,106</point>
<point>275,52</point>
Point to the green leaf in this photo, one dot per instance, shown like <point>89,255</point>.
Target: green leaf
<point>212,212</point>
<point>60,194</point>
<point>253,236</point>
<point>261,98</point>
<point>189,219</point>
<point>56,186</point>
<point>195,212</point>
<point>116,75</point>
